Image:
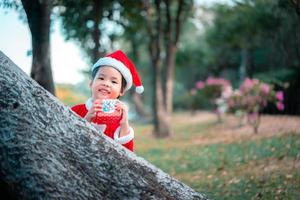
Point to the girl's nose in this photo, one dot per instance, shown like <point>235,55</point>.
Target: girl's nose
<point>105,83</point>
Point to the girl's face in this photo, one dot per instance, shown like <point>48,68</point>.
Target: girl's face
<point>107,84</point>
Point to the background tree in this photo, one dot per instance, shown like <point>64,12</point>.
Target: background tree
<point>133,38</point>
<point>84,22</point>
<point>239,30</point>
<point>191,65</point>
<point>38,15</point>
<point>296,4</point>
<point>164,21</point>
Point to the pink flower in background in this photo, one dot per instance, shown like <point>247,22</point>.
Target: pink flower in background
<point>199,85</point>
<point>247,84</point>
<point>210,81</point>
<point>280,106</point>
<point>213,88</point>
<point>227,92</point>
<point>279,96</point>
<point>230,103</point>
<point>265,88</point>
<point>217,81</point>
<point>249,100</point>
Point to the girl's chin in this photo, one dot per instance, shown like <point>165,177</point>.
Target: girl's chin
<point>99,97</point>
<point>102,97</point>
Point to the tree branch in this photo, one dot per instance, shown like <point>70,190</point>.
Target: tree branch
<point>47,152</point>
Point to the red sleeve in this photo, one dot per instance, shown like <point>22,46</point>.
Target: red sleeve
<point>80,110</point>
<point>129,145</point>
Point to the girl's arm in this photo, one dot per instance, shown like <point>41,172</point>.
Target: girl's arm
<point>124,124</point>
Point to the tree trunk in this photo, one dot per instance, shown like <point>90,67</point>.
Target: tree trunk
<point>136,98</point>
<point>162,118</point>
<point>97,15</point>
<point>171,56</point>
<point>296,4</point>
<point>162,127</point>
<point>139,106</point>
<point>172,34</point>
<point>38,17</point>
<point>243,69</point>
<point>162,27</point>
<point>47,152</point>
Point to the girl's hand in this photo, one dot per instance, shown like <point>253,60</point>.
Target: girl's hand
<point>123,108</point>
<point>124,124</point>
<point>92,112</point>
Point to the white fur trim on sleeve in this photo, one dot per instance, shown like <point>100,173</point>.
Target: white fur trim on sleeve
<point>89,103</point>
<point>125,139</point>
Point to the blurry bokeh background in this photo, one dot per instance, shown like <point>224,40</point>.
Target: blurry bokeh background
<point>221,104</point>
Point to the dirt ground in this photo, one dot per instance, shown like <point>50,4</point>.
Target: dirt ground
<point>230,129</point>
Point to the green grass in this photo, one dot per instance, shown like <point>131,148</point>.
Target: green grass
<point>266,168</point>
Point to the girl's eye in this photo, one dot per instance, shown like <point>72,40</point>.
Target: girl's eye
<point>114,82</point>
<point>100,78</point>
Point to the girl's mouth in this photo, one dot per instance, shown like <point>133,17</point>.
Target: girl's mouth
<point>104,91</point>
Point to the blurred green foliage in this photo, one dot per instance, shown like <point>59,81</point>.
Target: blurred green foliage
<point>248,38</point>
<point>245,38</point>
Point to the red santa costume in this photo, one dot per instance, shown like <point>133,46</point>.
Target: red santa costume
<point>111,128</point>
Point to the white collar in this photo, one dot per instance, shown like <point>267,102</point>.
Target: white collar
<point>89,103</point>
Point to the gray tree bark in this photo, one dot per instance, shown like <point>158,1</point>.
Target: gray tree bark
<point>39,21</point>
<point>47,152</point>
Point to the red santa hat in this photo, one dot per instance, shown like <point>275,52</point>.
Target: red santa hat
<point>125,66</point>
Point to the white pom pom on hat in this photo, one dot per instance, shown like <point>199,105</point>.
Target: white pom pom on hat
<point>125,66</point>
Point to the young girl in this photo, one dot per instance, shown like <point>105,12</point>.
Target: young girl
<point>112,76</point>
